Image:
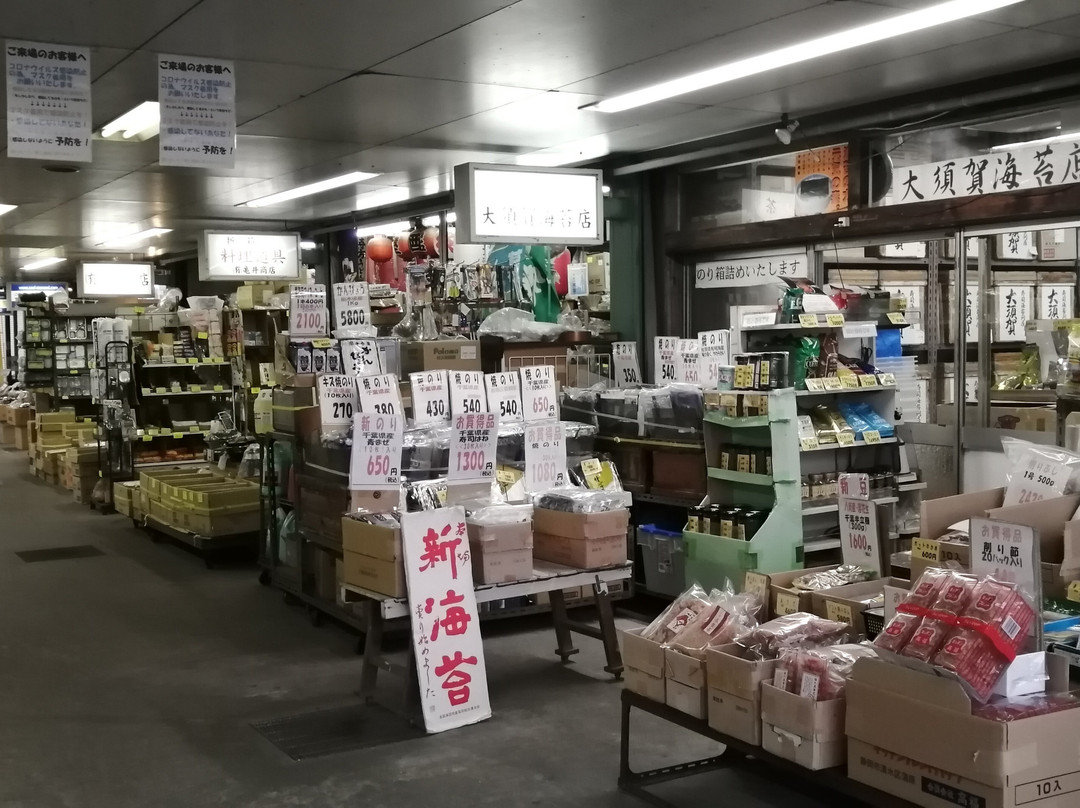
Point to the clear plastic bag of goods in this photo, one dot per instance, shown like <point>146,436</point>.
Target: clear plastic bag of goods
<point>820,674</point>
<point>425,495</point>
<point>579,404</point>
<point>675,618</point>
<point>729,616</point>
<point>488,513</point>
<point>830,579</point>
<point>1018,707</point>
<point>209,303</point>
<point>583,500</point>
<point>597,473</point>
<point>798,629</point>
<point>1037,472</point>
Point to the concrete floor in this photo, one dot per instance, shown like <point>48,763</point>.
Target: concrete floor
<point>132,678</point>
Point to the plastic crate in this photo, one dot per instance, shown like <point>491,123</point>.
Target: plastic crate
<point>663,560</point>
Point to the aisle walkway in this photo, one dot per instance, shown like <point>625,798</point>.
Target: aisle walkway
<point>131,679</point>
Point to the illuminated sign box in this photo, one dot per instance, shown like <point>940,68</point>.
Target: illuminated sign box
<point>249,256</point>
<point>17,290</point>
<point>115,280</point>
<point>498,204</point>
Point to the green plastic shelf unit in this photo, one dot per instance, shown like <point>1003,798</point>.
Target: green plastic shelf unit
<point>713,561</point>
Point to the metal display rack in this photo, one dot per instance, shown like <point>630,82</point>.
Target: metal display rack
<point>115,408</point>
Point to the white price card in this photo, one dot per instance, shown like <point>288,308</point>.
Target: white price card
<point>859,533</point>
<point>379,395</point>
<point>467,395</point>
<point>687,361</point>
<point>625,365</point>
<point>1036,476</point>
<point>307,311</point>
<point>860,330</point>
<point>1008,552</point>
<point>664,359</point>
<point>715,351</point>
<point>337,401</point>
<point>352,306</point>
<point>360,357</point>
<point>472,448</point>
<point>504,395</point>
<point>375,462</point>
<point>538,397</point>
<point>545,457</point>
<point>430,396</point>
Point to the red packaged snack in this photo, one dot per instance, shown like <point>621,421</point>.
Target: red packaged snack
<point>926,639</point>
<point>798,629</point>
<point>1005,709</point>
<point>924,592</point>
<point>972,656</point>
<point>897,634</point>
<point>998,610</point>
<point>953,597</point>
<point>824,671</point>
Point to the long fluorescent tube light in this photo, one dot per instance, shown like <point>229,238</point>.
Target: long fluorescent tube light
<point>132,238</point>
<point>1037,142</point>
<point>308,245</point>
<point>135,121</point>
<point>433,221</point>
<point>44,262</point>
<point>313,188</point>
<point>804,51</point>
<point>388,229</point>
<point>7,209</point>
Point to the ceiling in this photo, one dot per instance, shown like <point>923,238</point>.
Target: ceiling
<point>411,88</point>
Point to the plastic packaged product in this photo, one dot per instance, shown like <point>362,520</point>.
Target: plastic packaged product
<point>851,415</point>
<point>486,512</point>
<point>830,579</point>
<point>898,633</point>
<point>729,616</point>
<point>676,617</point>
<point>791,305</point>
<point>425,495</point>
<point>973,658</point>
<point>953,597</point>
<point>800,628</point>
<point>999,611</point>
<point>596,473</point>
<point>827,356</point>
<point>804,360</point>
<point>875,421</point>
<point>823,672</point>
<point>926,639</point>
<point>925,591</point>
<point>828,422</point>
<point>1014,709</point>
<point>579,404</point>
<point>582,500</point>
<point>1038,472</point>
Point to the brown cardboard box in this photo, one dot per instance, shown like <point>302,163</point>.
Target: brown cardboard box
<point>644,665</point>
<point>685,698</point>
<point>783,599</point>
<point>581,525</point>
<point>685,683</point>
<point>7,435</point>
<point>501,538</point>
<point>896,589</point>
<point>651,687</point>
<point>443,354</point>
<point>376,575</point>
<point>580,553</point>
<point>218,523</point>
<point>734,692</point>
<point>845,604</point>
<point>739,718</point>
<point>498,568</point>
<point>162,513</point>
<point>22,438</point>
<point>288,403</point>
<point>912,734</point>
<point>374,541</point>
<point>807,732</point>
<point>19,416</point>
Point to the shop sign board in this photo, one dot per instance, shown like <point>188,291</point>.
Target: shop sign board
<point>430,396</point>
<point>197,98</point>
<point>48,101</point>
<point>750,270</point>
<point>467,395</point>
<point>472,448</point>
<point>360,357</point>
<point>379,395</point>
<point>115,280</point>
<point>504,395</point>
<point>249,256</point>
<point>538,397</point>
<point>375,460</point>
<point>17,290</point>
<point>447,645</point>
<point>307,311</point>
<point>337,401</point>
<point>625,365</point>
<point>504,204</point>
<point>545,456</point>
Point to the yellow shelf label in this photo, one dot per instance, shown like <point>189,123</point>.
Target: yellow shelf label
<point>808,444</point>
<point>845,438</point>
<point>322,342</point>
<point>161,390</point>
<point>849,381</point>
<point>139,310</point>
<point>1073,592</point>
<point>897,318</point>
<point>218,388</point>
<point>871,436</point>
<point>195,388</point>
<point>256,390</point>
<point>815,385</point>
<point>887,379</point>
<point>147,438</point>
<point>786,603</point>
<point>178,434</point>
<point>925,549</point>
<point>202,335</point>
<point>833,383</point>
<point>808,320</point>
<point>834,319</point>
<point>867,381</point>
<point>838,612</point>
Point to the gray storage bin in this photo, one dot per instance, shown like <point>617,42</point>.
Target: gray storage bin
<point>663,560</point>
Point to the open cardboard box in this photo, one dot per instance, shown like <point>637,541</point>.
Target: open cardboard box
<point>643,661</point>
<point>801,729</point>
<point>783,599</point>
<point>734,689</point>
<point>845,604</point>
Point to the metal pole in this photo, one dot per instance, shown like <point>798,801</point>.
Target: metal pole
<point>960,354</point>
<point>986,355</point>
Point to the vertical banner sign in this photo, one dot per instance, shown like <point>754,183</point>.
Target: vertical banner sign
<point>545,456</point>
<point>307,311</point>
<point>48,101</point>
<point>625,365</point>
<point>858,523</point>
<point>430,396</point>
<point>1015,306</point>
<point>467,394</point>
<point>375,461</point>
<point>445,622</point>
<point>379,395</point>
<point>664,359</point>
<point>198,112</point>
<point>472,448</point>
<point>538,398</point>
<point>1055,302</point>
<point>360,357</point>
<point>1010,553</point>
<point>337,401</point>
<point>504,395</point>
<point>715,351</point>
<point>688,362</point>
<point>352,306</point>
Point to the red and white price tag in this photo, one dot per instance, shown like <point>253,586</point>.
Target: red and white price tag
<point>307,311</point>
<point>430,396</point>
<point>352,306</point>
<point>664,349</point>
<point>545,457</point>
<point>360,357</point>
<point>688,362</point>
<point>467,396</point>
<point>337,400</point>
<point>379,395</point>
<point>504,395</point>
<point>472,448</point>
<point>859,534</point>
<point>715,351</point>
<point>375,462</point>
<point>625,365</point>
<point>538,395</point>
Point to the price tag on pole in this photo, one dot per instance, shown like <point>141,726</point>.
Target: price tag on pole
<point>538,398</point>
<point>858,523</point>
<point>430,396</point>
<point>375,462</point>
<point>545,457</point>
<point>337,401</point>
<point>715,351</point>
<point>360,357</point>
<point>664,359</point>
<point>379,395</point>
<point>307,311</point>
<point>504,395</point>
<point>687,362</point>
<point>352,305</point>
<point>472,448</point>
<point>625,365</point>
<point>467,396</point>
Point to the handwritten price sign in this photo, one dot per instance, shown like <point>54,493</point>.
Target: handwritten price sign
<point>375,463</point>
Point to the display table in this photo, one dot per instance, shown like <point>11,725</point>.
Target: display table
<point>381,611</point>
<point>826,784</point>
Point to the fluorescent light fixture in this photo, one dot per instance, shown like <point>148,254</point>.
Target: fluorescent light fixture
<point>433,221</point>
<point>388,229</point>
<point>42,263</point>
<point>804,51</point>
<point>144,120</point>
<point>314,188</point>
<point>7,209</point>
<point>578,151</point>
<point>308,245</point>
<point>605,189</point>
<point>1037,142</point>
<point>133,238</point>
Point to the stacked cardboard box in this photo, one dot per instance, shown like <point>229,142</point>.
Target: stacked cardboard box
<point>79,471</point>
<point>124,496</point>
<point>200,501</point>
<point>643,665</point>
<point>583,540</point>
<point>801,729</point>
<point>501,553</point>
<point>734,692</point>
<point>372,556</point>
<point>51,444</point>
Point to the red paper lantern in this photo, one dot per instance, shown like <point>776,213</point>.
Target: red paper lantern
<point>380,249</point>
<point>401,245</point>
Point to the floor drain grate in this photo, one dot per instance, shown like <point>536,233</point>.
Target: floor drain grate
<point>59,553</point>
<point>329,732</point>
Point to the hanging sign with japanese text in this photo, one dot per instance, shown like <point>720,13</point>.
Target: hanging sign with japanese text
<point>360,357</point>
<point>467,395</point>
<point>545,456</point>
<point>625,365</point>
<point>48,102</point>
<point>352,306</point>
<point>750,271</point>
<point>337,401</point>
<point>249,256</point>
<point>198,112</point>
<point>447,645</point>
<point>664,359</point>
<point>715,351</point>
<point>375,460</point>
<point>379,395</point>
<point>504,395</point>
<point>858,523</point>
<point>115,280</point>
<point>430,396</point>
<point>307,311</point>
<point>538,398</point>
<point>688,361</point>
<point>472,448</point>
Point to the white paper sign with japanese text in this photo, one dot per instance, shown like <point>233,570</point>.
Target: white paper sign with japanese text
<point>467,395</point>
<point>337,401</point>
<point>1036,476</point>
<point>352,306</point>
<point>446,637</point>
<point>360,357</point>
<point>430,396</point>
<point>198,111</point>
<point>250,256</point>
<point>473,442</point>
<point>48,101</point>
<point>504,395</point>
<point>545,456</point>
<point>379,395</point>
<point>688,361</point>
<point>664,359</point>
<point>625,364</point>
<point>858,523</point>
<point>1006,551</point>
<point>307,311</point>
<point>715,351</point>
<point>375,461</point>
<point>1014,309</point>
<point>1056,302</point>
<point>750,271</point>
<point>538,398</point>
